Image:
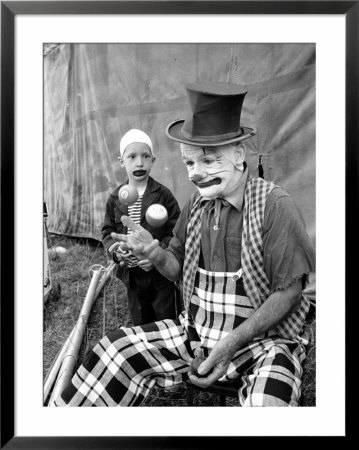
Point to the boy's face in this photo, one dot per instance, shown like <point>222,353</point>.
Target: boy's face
<point>138,161</point>
<point>214,170</point>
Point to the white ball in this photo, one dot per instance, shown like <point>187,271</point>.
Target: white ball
<point>156,215</point>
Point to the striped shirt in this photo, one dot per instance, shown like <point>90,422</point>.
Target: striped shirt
<point>134,213</point>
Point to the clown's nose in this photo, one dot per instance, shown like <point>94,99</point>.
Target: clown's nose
<point>199,176</point>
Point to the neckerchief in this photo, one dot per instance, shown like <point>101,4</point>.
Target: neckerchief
<point>255,280</point>
<point>192,250</point>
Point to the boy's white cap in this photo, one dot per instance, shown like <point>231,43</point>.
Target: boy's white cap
<point>134,136</point>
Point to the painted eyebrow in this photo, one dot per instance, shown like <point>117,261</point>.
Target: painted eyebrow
<point>209,152</point>
<point>184,157</point>
<point>211,155</point>
<point>214,157</point>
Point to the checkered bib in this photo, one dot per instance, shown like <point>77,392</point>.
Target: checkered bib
<point>217,307</point>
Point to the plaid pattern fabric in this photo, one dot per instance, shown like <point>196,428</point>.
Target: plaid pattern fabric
<point>270,371</point>
<point>218,305</point>
<point>256,284</point>
<point>255,279</point>
<point>126,364</point>
<point>270,368</point>
<point>192,251</point>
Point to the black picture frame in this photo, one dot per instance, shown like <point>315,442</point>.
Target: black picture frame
<point>9,9</point>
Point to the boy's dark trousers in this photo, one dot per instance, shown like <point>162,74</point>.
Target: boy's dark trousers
<point>151,296</point>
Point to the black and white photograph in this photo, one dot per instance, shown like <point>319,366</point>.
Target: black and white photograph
<point>179,224</point>
<point>177,183</point>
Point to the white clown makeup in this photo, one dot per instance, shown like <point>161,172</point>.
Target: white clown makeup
<point>214,170</point>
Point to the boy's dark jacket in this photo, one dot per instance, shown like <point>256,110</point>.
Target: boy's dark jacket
<point>155,193</point>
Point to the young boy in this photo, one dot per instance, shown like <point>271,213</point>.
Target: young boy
<point>151,296</point>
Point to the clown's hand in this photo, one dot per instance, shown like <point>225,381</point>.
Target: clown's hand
<point>216,365</point>
<point>140,243</point>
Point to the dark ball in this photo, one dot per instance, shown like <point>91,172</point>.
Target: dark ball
<point>128,194</point>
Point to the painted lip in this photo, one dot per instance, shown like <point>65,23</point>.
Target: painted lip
<point>208,183</point>
<point>139,173</point>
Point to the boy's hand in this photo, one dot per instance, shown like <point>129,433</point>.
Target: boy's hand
<point>140,243</point>
<point>121,257</point>
<point>146,265</point>
<point>118,255</point>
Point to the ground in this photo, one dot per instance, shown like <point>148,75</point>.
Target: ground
<point>71,270</point>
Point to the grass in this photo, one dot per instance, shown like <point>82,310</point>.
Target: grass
<point>110,311</point>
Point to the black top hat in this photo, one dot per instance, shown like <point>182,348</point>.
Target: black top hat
<point>214,116</point>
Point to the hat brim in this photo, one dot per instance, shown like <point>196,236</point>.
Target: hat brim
<point>173,131</point>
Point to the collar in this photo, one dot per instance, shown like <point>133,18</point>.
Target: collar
<point>152,185</point>
<point>236,199</point>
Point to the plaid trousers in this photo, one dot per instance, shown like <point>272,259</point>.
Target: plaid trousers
<point>126,364</point>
